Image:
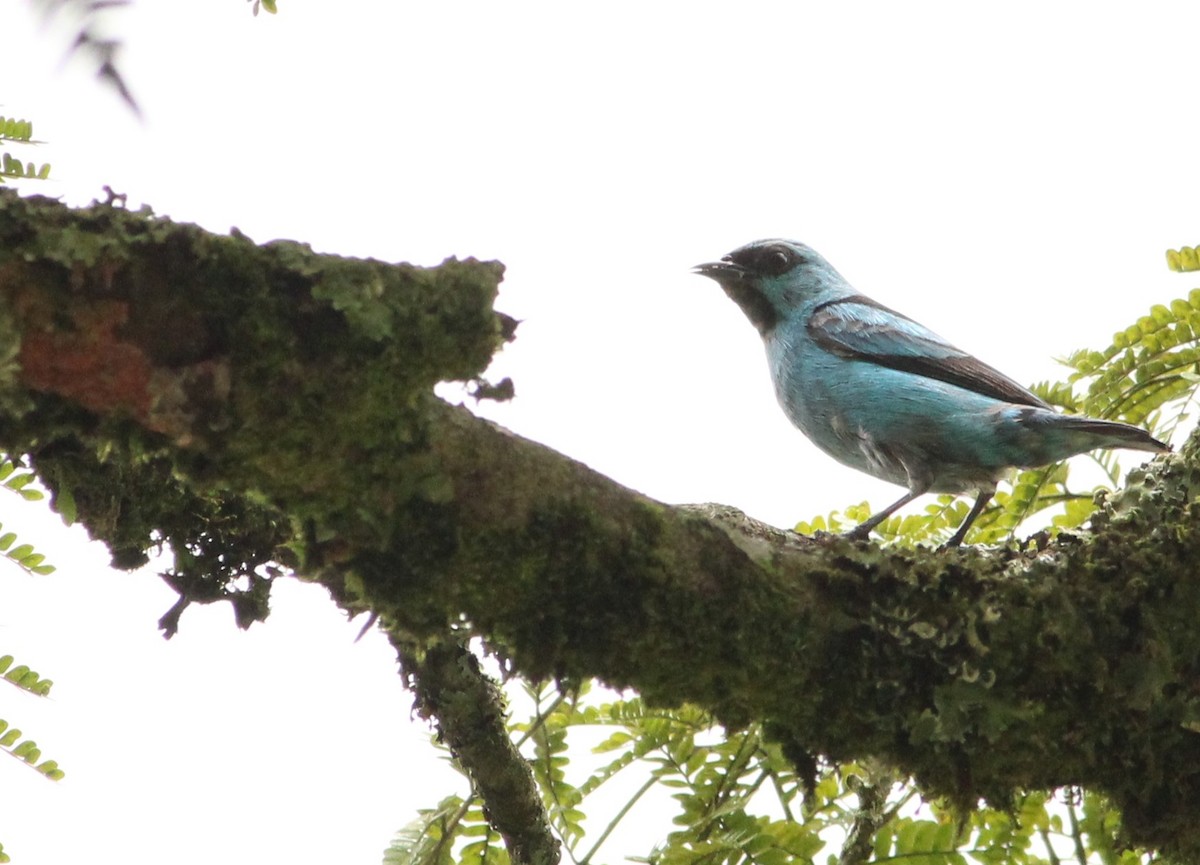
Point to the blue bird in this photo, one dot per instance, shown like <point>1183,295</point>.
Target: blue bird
<point>881,393</point>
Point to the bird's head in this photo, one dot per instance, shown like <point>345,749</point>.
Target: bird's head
<point>770,279</point>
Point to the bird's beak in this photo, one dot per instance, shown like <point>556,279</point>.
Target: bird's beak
<point>722,271</point>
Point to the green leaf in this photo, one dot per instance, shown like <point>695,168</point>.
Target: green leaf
<point>20,552</point>
<point>616,740</point>
<point>882,843</point>
<point>64,504</point>
<point>16,482</point>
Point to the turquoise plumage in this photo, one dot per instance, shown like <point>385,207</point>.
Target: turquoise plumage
<point>882,393</point>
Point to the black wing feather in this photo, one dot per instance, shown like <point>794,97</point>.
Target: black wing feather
<point>862,329</point>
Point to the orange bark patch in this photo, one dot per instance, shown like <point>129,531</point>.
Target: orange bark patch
<point>91,365</point>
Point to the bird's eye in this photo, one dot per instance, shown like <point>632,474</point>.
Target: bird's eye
<point>776,260</point>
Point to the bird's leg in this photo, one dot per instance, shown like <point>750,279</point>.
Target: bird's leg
<point>985,496</point>
<point>861,531</point>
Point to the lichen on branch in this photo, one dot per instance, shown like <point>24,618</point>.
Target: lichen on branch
<point>176,382</point>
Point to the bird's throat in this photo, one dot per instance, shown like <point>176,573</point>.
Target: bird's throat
<point>754,303</point>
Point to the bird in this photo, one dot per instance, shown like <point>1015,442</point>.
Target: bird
<point>885,395</point>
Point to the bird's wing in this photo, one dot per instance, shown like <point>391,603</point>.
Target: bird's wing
<point>859,328</point>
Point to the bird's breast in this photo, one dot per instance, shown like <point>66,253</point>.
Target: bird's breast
<point>894,425</point>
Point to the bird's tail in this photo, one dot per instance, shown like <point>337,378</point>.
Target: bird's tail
<point>1110,434</point>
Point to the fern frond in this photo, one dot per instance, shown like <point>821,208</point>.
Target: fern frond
<point>12,129</point>
<point>1183,260</point>
<point>560,798</point>
<point>919,840</point>
<point>1150,365</point>
<point>15,169</point>
<point>27,751</point>
<point>834,522</point>
<point>24,555</point>
<point>1059,393</point>
<point>428,839</point>
<point>23,677</point>
<point>1033,491</point>
<point>19,481</point>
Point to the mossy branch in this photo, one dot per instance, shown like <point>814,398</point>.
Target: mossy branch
<point>167,378</point>
<point>450,687</point>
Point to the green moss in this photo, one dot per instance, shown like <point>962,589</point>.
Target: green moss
<point>276,380</point>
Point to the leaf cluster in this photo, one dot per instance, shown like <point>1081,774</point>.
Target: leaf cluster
<point>20,481</point>
<point>740,801</point>
<point>1183,260</point>
<point>21,132</point>
<point>11,738</point>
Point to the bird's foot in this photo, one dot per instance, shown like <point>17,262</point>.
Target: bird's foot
<point>958,537</point>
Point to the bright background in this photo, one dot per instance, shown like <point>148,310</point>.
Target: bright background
<point>1008,174</point>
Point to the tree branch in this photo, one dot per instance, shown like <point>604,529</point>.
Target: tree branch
<point>469,708</point>
<point>157,372</point>
<point>871,816</point>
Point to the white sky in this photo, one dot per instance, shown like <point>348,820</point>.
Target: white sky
<point>1009,177</point>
